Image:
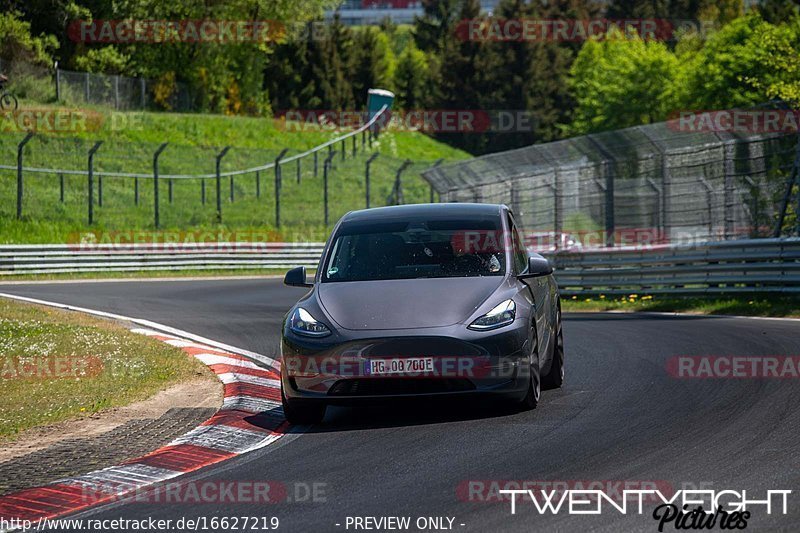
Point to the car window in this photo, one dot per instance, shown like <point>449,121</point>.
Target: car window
<point>421,250</point>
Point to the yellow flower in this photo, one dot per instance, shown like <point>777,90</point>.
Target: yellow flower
<point>602,296</point>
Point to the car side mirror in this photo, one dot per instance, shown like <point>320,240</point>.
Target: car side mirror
<point>296,277</point>
<point>537,266</point>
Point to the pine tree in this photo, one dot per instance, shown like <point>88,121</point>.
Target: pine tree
<point>338,47</point>
<point>467,79</point>
<point>411,78</point>
<point>434,28</point>
<point>372,64</point>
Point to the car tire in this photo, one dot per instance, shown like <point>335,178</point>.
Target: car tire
<point>302,413</point>
<point>531,399</point>
<point>554,378</point>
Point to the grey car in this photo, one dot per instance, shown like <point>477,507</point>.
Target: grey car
<point>423,301</point>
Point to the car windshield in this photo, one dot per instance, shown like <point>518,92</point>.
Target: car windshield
<point>430,249</point>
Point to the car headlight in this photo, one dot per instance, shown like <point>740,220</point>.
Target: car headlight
<point>501,315</point>
<point>302,323</point>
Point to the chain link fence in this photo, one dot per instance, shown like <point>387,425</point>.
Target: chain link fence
<point>52,183</point>
<point>654,184</point>
<point>121,93</point>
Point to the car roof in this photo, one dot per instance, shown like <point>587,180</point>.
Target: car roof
<point>424,212</point>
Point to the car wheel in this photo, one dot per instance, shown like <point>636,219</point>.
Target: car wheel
<point>555,377</point>
<point>531,399</point>
<point>302,413</point>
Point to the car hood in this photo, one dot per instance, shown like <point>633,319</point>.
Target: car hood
<point>404,304</point>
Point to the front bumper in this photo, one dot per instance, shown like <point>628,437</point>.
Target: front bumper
<point>335,369</point>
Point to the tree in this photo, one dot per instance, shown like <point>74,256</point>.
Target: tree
<point>373,64</point>
<point>411,78</point>
<point>434,27</point>
<point>777,11</point>
<point>746,62</point>
<point>620,82</point>
<point>467,80</point>
<point>17,43</point>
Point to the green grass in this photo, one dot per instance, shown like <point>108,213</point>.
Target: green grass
<point>194,142</point>
<point>753,305</point>
<point>99,365</point>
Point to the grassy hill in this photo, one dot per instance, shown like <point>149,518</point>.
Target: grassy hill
<point>129,141</point>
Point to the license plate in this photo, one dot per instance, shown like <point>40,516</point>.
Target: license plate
<point>405,365</point>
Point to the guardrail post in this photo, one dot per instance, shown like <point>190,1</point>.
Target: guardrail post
<point>219,182</point>
<point>61,186</point>
<point>203,191</point>
<point>90,165</point>
<point>316,164</point>
<point>231,194</point>
<point>156,214</point>
<point>354,146</point>
<point>169,189</point>
<point>20,184</point>
<point>330,152</point>
<point>398,183</point>
<point>363,139</point>
<point>325,168</point>
<point>278,187</point>
<point>258,184</point>
<point>136,191</point>
<point>344,148</point>
<point>366,176</point>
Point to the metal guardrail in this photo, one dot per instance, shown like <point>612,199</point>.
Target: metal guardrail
<point>744,266</point>
<point>80,258</point>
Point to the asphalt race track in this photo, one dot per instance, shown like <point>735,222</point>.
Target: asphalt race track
<point>620,416</point>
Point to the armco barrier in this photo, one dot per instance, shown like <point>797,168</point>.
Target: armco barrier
<point>757,265</point>
<point>754,266</point>
<point>77,258</point>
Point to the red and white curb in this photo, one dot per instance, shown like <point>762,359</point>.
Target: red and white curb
<point>251,417</point>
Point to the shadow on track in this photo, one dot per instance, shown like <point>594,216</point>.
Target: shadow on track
<point>413,412</point>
